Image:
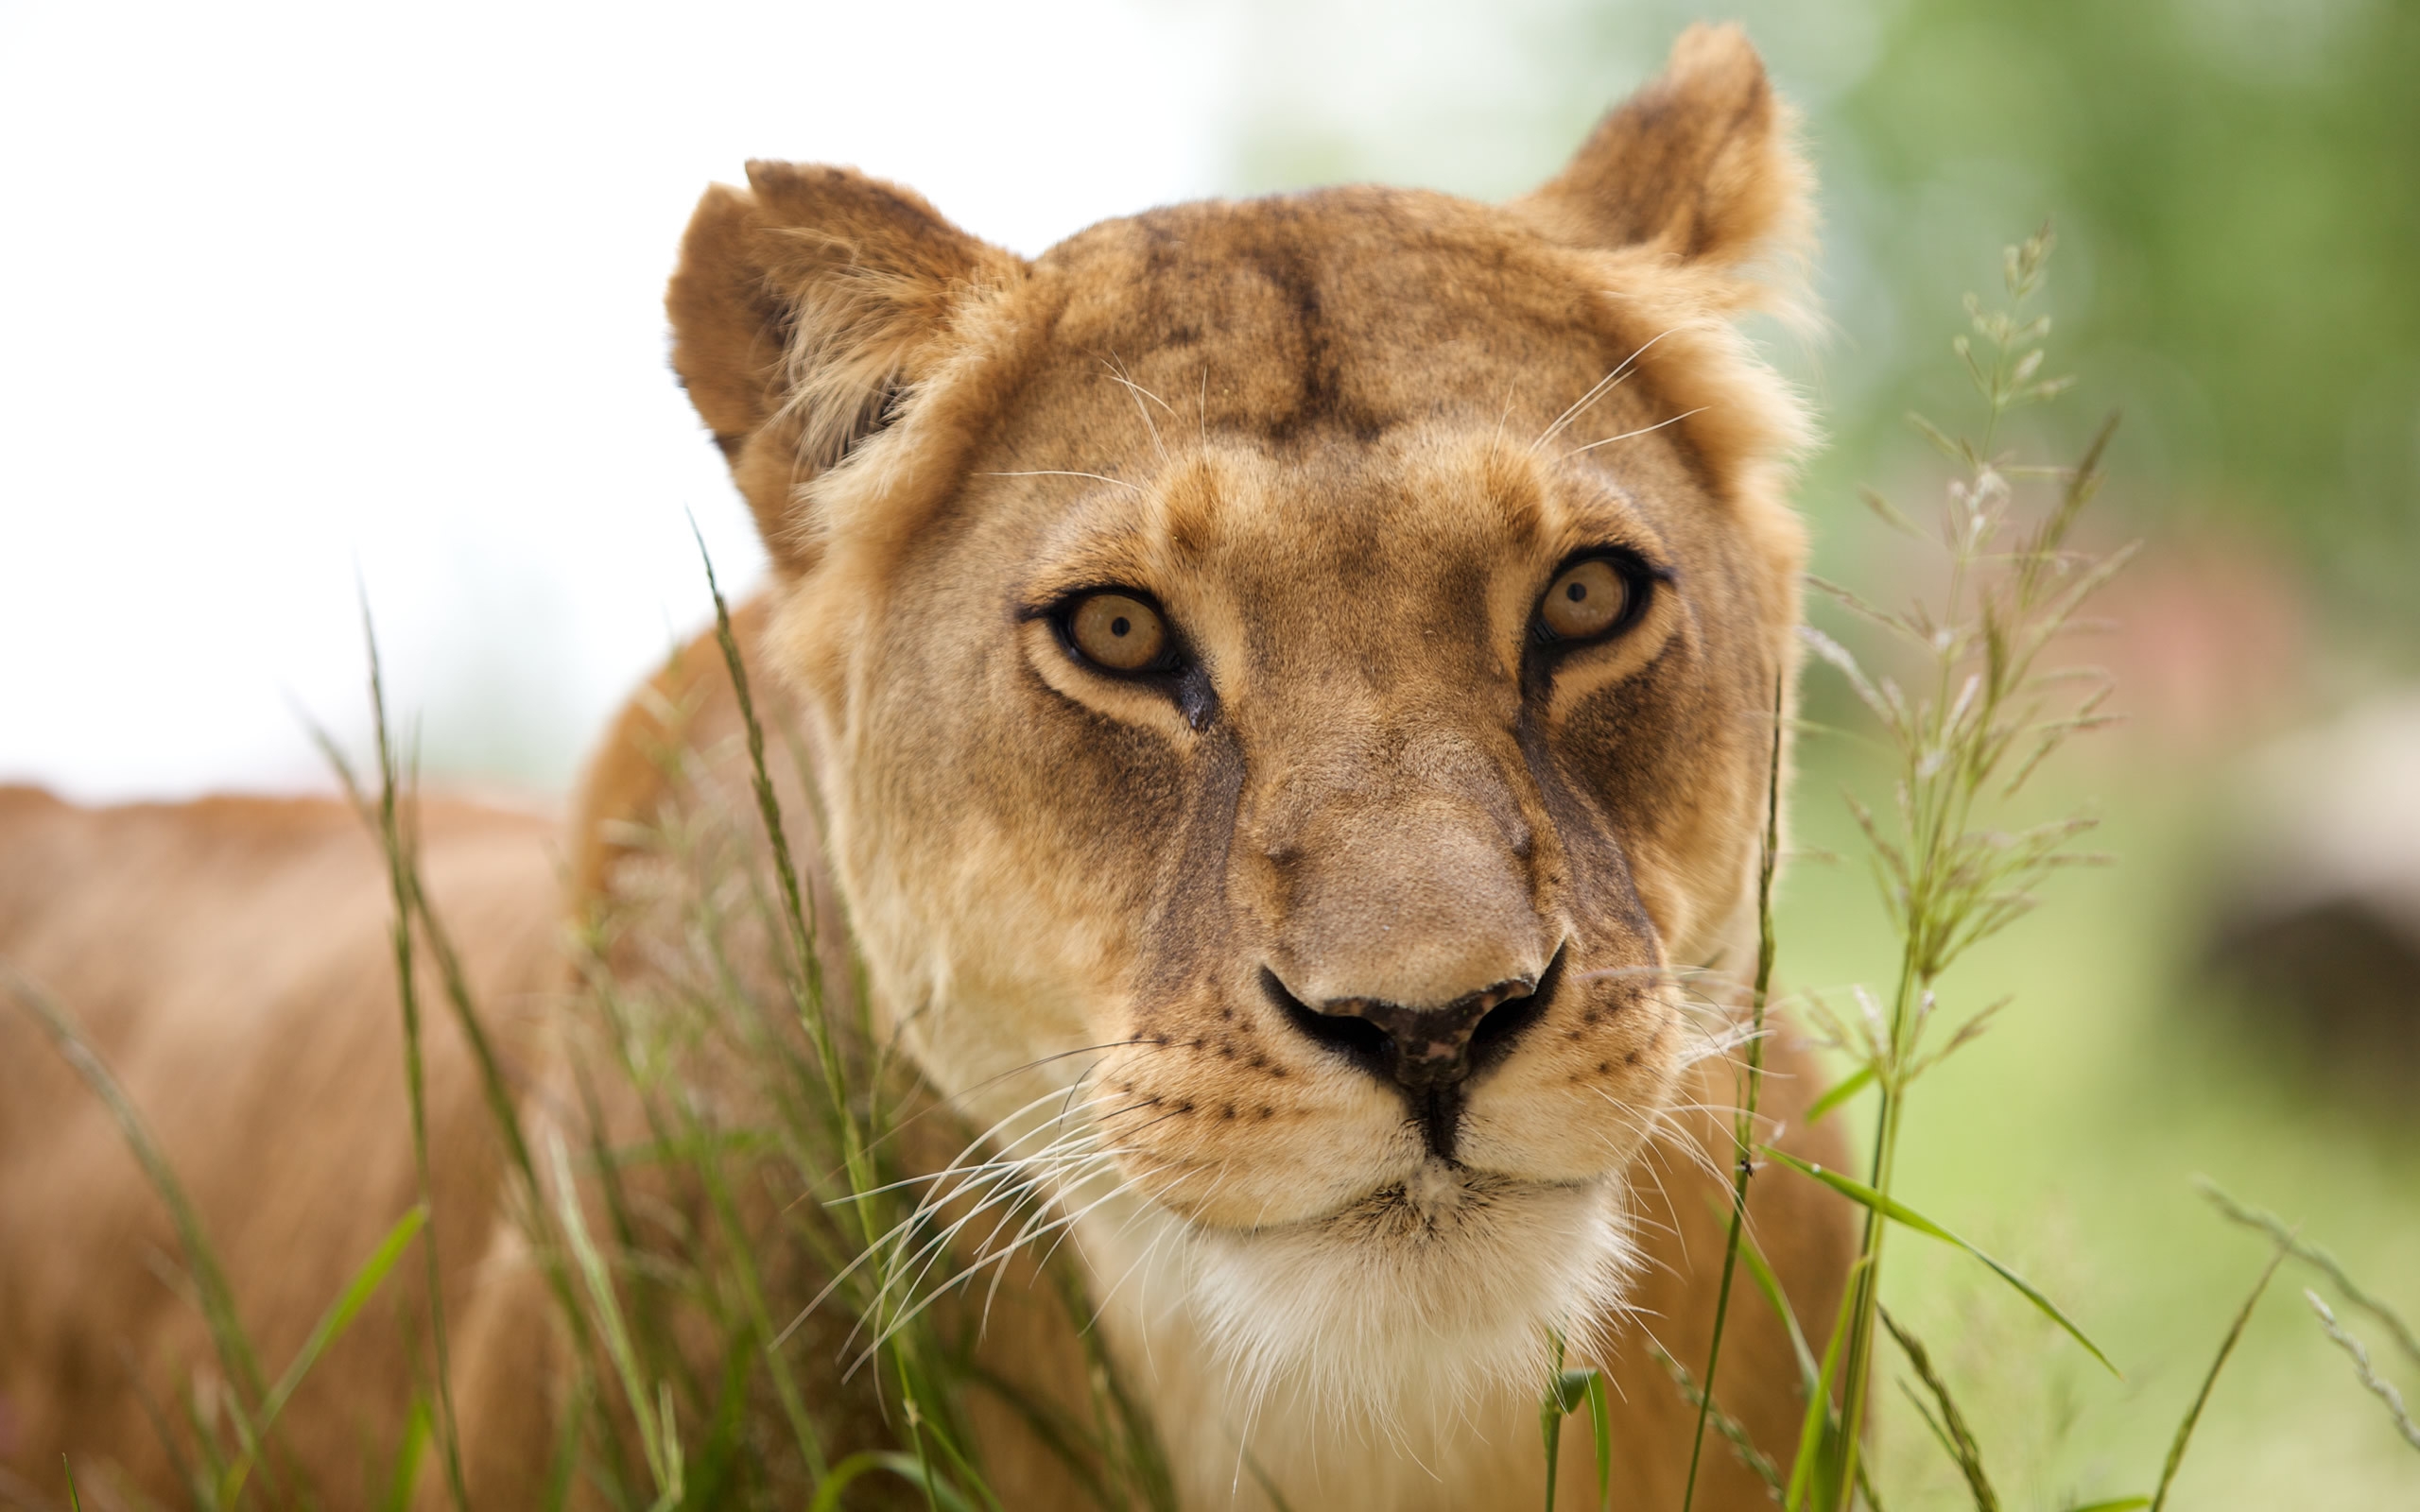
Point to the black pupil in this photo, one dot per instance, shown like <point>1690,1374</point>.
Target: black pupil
<point>1119,625</point>
<point>1576,591</point>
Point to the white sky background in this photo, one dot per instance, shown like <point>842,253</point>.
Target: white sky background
<point>289,292</point>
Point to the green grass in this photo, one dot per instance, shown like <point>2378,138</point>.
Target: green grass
<point>1969,692</point>
<point>2067,1145</point>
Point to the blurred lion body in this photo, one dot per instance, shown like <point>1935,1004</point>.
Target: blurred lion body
<point>231,960</point>
<point>1037,856</point>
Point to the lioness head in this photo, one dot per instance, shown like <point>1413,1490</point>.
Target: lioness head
<point>1293,679</point>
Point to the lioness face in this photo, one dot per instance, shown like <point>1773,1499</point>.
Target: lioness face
<point>1295,680</point>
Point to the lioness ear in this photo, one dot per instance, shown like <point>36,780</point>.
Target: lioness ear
<point>1698,163</point>
<point>804,310</point>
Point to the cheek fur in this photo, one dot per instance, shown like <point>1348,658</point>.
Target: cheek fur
<point>1671,759</point>
<point>1578,1105</point>
<point>1223,1126</point>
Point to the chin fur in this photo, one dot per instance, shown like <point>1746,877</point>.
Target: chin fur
<point>1413,1306</point>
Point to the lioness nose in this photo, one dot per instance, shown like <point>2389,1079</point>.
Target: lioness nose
<point>1424,1049</point>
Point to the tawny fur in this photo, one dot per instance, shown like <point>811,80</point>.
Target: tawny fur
<point>1343,439</point>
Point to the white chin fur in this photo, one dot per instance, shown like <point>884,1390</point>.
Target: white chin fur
<point>1410,1308</point>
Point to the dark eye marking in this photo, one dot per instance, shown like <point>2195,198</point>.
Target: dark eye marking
<point>1121,632</point>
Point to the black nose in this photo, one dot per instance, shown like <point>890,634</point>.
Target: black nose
<point>1426,1053</point>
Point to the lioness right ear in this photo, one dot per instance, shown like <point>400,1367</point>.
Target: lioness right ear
<point>804,310</point>
<point>1698,164</point>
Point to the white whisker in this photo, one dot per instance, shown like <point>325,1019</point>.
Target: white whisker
<point>1065,473</point>
<point>1602,387</point>
<point>1641,431</point>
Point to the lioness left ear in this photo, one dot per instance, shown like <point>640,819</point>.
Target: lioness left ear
<point>1697,164</point>
<point>803,309</point>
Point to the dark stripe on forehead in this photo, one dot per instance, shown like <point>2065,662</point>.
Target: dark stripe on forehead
<point>1323,405</point>
<point>1330,315</point>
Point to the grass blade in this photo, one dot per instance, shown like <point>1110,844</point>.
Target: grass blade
<point>1600,1427</point>
<point>405,1479</point>
<point>2379,1386</point>
<point>1901,1213</point>
<point>1573,1390</point>
<point>1951,1428</point>
<point>330,1327</point>
<point>217,1298</point>
<point>2311,1254</point>
<point>1819,1430</point>
<point>611,1325</point>
<point>1559,1399</point>
<point>566,1459</point>
<point>341,1312</point>
<point>906,1467</point>
<point>1810,1373</point>
<point>933,1425</point>
<point>1743,1132</point>
<point>1567,1391</point>
<point>1742,1447</point>
<point>2202,1398</point>
<point>1846,1087</point>
<point>398,840</point>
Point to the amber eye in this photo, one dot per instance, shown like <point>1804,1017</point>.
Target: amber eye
<point>1588,599</point>
<point>1118,631</point>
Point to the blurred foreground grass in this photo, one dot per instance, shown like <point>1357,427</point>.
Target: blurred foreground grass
<point>2067,1146</point>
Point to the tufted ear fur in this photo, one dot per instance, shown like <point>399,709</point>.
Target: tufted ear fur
<point>1698,164</point>
<point>804,310</point>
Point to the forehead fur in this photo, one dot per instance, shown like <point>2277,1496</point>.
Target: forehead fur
<point>1306,321</point>
<point>1292,318</point>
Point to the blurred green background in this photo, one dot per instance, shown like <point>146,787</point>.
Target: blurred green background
<point>2236,188</point>
<point>2236,184</point>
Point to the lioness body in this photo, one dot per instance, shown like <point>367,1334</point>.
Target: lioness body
<point>270,1064</point>
<point>232,963</point>
<point>1342,931</point>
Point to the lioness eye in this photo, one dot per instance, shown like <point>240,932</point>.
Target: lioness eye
<point>1118,631</point>
<point>1588,599</point>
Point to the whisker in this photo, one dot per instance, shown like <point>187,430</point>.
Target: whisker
<point>1118,372</point>
<point>955,1164</point>
<point>1602,386</point>
<point>1065,473</point>
<point>1101,1302</point>
<point>897,1263</point>
<point>1011,1174</point>
<point>1024,1235</point>
<point>1641,431</point>
<point>918,1307</point>
<point>935,1249</point>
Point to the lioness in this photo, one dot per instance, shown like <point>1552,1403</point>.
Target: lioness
<point>1302,668</point>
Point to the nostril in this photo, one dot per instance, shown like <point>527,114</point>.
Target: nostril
<point>1358,1039</point>
<point>1492,1039</point>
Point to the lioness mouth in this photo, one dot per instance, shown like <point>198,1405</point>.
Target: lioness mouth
<point>1439,1200</point>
